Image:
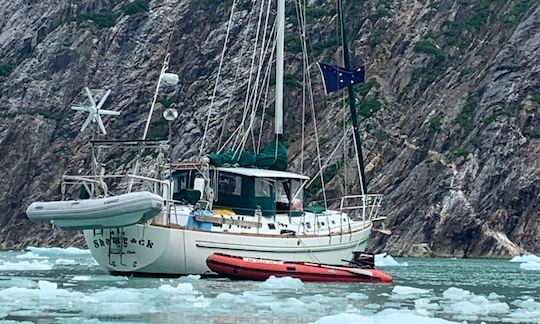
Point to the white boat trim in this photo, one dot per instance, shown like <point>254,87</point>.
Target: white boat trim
<point>263,173</point>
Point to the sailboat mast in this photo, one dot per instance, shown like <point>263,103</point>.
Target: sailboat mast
<point>352,100</point>
<point>280,44</point>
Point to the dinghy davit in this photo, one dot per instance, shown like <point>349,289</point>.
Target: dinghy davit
<point>236,267</point>
<point>109,212</point>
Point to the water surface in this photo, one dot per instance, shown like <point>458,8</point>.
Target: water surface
<point>59,285</point>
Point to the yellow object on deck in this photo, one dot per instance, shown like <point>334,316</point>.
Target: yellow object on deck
<point>223,212</point>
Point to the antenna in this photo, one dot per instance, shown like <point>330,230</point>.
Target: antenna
<point>94,111</point>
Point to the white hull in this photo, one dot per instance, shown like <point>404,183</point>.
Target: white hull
<point>149,249</point>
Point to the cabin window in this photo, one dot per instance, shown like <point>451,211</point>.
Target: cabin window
<point>230,184</point>
<point>271,226</point>
<point>333,222</point>
<point>263,188</point>
<point>308,225</point>
<point>283,193</point>
<point>297,195</point>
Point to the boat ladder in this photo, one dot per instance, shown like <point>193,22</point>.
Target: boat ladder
<point>116,245</point>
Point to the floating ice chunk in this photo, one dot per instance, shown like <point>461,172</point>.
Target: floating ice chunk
<point>424,303</point>
<point>282,283</point>
<point>258,296</point>
<point>525,258</point>
<point>388,316</point>
<point>30,255</point>
<point>528,311</point>
<point>193,277</point>
<point>406,290</point>
<point>112,295</point>
<point>529,303</point>
<point>384,260</point>
<point>18,282</point>
<point>54,252</point>
<point>81,278</point>
<point>478,305</point>
<point>47,285</point>
<point>226,296</point>
<point>530,266</point>
<point>183,288</point>
<point>65,261</point>
<point>25,265</point>
<point>344,318</point>
<point>289,305</point>
<point>357,296</point>
<point>493,295</point>
<point>454,293</point>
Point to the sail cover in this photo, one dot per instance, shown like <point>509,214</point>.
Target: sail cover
<point>273,156</point>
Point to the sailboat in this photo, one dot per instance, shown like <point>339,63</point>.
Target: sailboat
<point>238,202</point>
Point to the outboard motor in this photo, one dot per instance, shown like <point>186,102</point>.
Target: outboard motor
<point>362,260</point>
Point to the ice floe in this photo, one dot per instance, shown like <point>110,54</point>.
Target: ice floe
<point>525,258</point>
<point>530,266</point>
<point>282,283</point>
<point>406,290</point>
<point>65,261</point>
<point>454,293</point>
<point>357,296</point>
<point>464,305</point>
<point>425,303</point>
<point>192,277</point>
<point>56,252</point>
<point>34,265</point>
<point>388,316</point>
<point>30,255</point>
<point>385,260</point>
<point>528,311</point>
<point>181,288</point>
<point>478,305</point>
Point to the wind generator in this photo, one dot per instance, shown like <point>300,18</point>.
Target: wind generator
<point>94,116</point>
<point>94,111</point>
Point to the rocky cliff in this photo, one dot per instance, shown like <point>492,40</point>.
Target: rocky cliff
<point>449,111</point>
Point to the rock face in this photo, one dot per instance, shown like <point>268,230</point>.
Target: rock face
<point>450,111</point>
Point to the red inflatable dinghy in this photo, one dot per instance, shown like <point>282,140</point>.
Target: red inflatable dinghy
<point>236,267</point>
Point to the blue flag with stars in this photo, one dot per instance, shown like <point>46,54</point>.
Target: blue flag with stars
<point>336,77</point>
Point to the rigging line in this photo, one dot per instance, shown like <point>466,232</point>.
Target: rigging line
<point>247,37</point>
<point>217,77</point>
<point>236,74</point>
<point>300,12</point>
<point>312,104</point>
<point>263,116</point>
<point>358,166</point>
<point>345,147</point>
<point>164,67</point>
<point>253,55</point>
<point>320,172</point>
<point>317,146</point>
<point>339,37</point>
<point>229,139</point>
<point>258,95</point>
<point>309,249</point>
<point>253,99</point>
<point>261,61</point>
